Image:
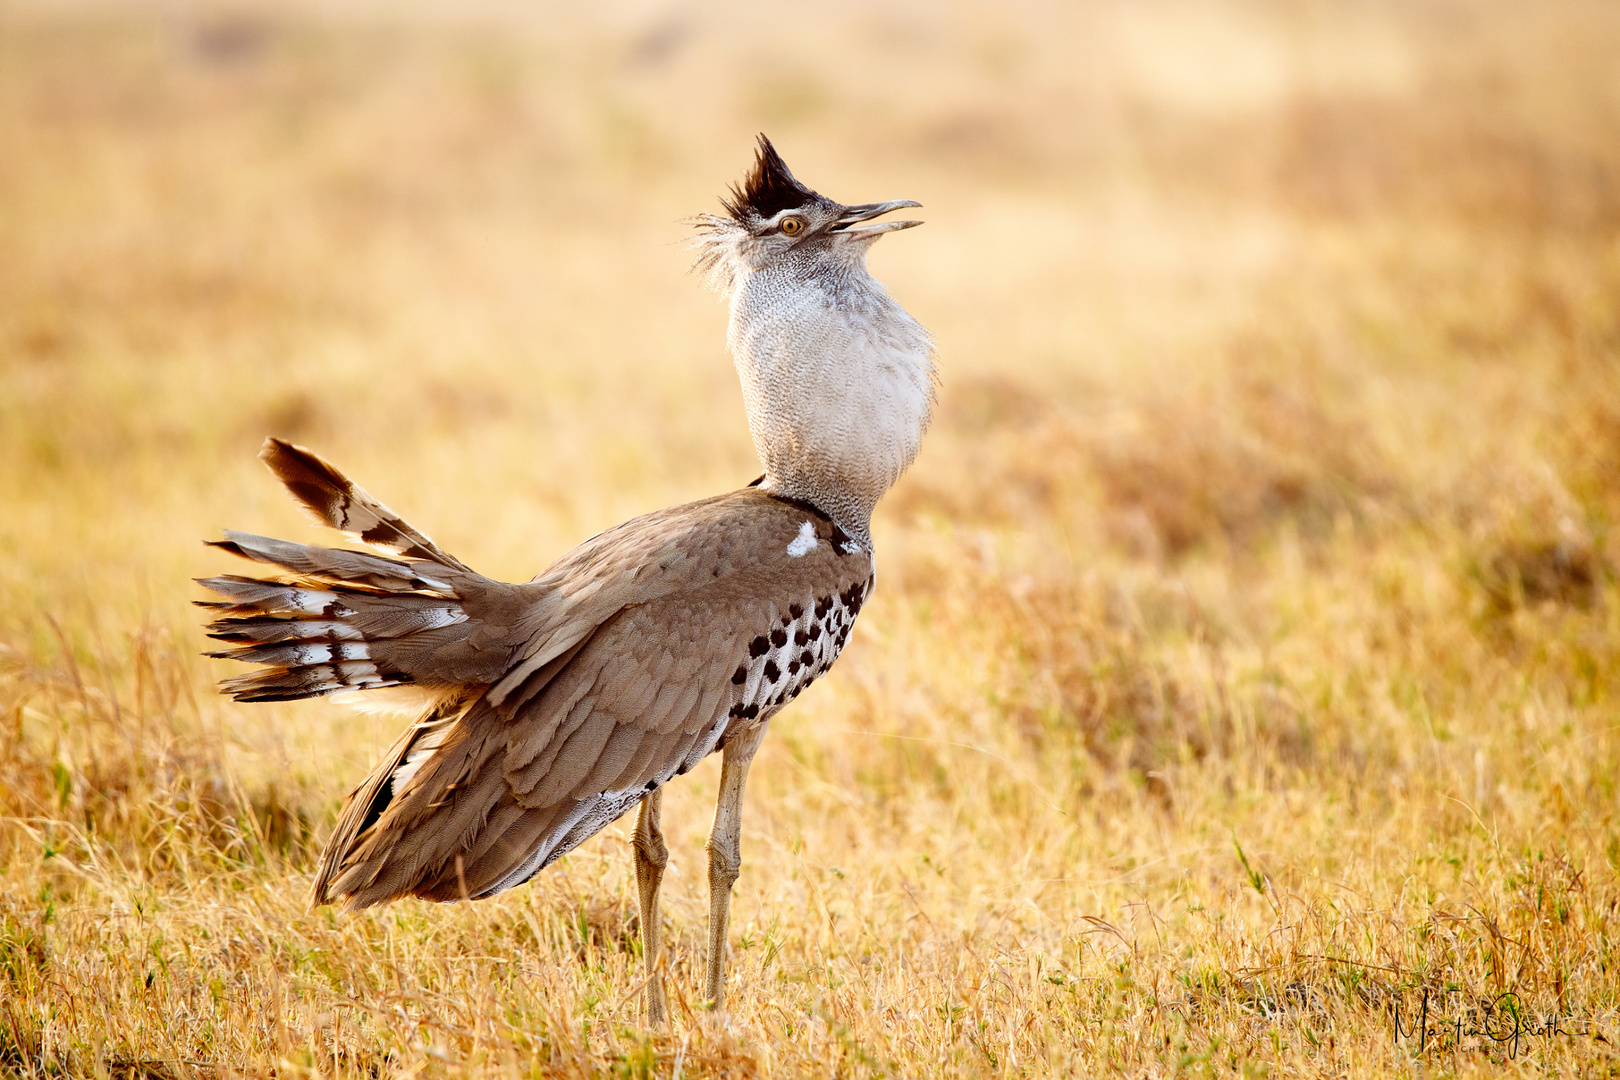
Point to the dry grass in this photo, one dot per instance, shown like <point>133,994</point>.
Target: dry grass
<point>1243,673</point>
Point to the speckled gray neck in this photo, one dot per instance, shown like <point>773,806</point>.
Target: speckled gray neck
<point>837,379</point>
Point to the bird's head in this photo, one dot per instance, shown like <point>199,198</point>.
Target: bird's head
<point>771,217</point>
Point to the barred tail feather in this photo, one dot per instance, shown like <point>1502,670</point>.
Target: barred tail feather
<point>337,501</point>
<point>346,620</point>
<point>358,567</point>
<point>315,641</point>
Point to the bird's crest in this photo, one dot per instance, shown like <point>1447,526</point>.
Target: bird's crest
<point>768,189</point>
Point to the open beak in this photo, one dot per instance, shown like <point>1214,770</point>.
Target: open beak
<point>850,222</point>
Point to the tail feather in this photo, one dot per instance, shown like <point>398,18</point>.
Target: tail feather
<point>310,680</point>
<point>350,620</point>
<point>337,501</point>
<point>280,611</point>
<point>257,595</point>
<point>332,563</point>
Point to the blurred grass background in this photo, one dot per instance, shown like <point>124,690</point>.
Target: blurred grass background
<point>1243,668</point>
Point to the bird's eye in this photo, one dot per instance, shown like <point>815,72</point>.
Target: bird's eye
<point>791,226</point>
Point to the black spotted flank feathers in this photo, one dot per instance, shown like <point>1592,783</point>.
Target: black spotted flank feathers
<point>769,188</point>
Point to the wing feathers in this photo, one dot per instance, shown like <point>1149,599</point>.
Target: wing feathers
<point>366,803</point>
<point>440,814</point>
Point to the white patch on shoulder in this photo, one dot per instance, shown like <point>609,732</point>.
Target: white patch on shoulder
<point>804,543</point>
<point>851,547</point>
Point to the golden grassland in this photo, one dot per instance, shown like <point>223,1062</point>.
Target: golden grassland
<point>1242,673</point>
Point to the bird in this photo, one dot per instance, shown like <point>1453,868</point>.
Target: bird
<point>552,707</point>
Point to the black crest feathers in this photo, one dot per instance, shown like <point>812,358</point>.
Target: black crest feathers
<point>768,189</point>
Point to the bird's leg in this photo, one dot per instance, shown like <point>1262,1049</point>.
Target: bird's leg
<point>725,852</point>
<point>651,858</point>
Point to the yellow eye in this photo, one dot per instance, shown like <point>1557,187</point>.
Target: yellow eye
<point>791,226</point>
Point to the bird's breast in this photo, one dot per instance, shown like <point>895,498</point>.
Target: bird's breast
<point>783,659</point>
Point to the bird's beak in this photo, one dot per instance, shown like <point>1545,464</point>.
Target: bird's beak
<point>849,223</point>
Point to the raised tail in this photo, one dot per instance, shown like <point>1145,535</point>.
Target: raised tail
<point>333,499</point>
<point>341,620</point>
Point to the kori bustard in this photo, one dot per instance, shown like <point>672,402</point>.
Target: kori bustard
<point>554,706</point>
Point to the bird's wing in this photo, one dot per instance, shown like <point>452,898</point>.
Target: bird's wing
<point>716,614</point>
<point>668,552</point>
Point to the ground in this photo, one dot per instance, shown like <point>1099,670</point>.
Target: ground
<point>1238,696</point>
